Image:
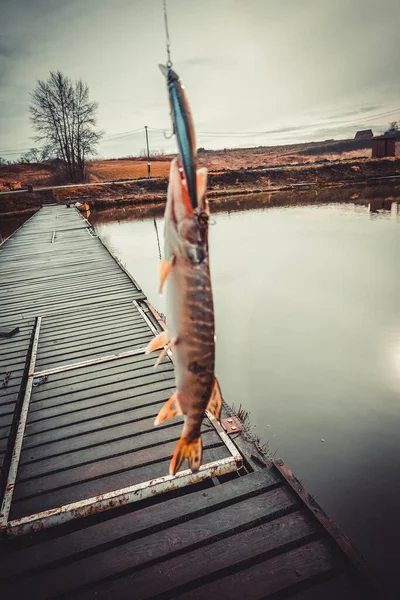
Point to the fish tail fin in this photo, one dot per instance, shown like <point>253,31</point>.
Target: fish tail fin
<point>192,450</point>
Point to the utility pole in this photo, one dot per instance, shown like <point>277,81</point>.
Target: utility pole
<point>148,152</point>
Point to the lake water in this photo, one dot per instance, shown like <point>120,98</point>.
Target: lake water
<point>307,303</point>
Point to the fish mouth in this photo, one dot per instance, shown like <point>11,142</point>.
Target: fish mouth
<point>179,206</point>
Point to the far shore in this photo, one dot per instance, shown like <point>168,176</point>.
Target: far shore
<point>232,182</point>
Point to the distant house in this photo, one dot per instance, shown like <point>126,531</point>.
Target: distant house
<point>385,145</point>
<point>365,134</point>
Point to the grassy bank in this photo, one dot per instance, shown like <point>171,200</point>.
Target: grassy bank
<point>222,184</point>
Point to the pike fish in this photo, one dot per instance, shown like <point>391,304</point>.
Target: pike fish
<point>190,330</point>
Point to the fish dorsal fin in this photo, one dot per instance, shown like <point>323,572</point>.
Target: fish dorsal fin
<point>214,405</point>
<point>170,410</point>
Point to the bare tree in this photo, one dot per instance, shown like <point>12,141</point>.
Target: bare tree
<point>65,120</point>
<point>394,127</point>
<point>36,155</point>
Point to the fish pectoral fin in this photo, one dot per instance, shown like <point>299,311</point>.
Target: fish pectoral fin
<point>170,410</point>
<point>165,270</point>
<point>171,344</point>
<point>158,342</point>
<point>214,405</point>
<point>192,450</point>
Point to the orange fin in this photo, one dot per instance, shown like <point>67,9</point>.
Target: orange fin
<point>201,180</point>
<point>165,351</point>
<point>170,410</point>
<point>193,451</point>
<point>214,405</point>
<point>165,270</point>
<point>158,342</point>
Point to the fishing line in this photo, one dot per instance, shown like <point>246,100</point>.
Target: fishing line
<point>158,239</point>
<point>167,38</point>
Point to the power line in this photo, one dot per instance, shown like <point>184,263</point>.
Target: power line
<point>224,134</point>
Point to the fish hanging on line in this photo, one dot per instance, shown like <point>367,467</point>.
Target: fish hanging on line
<point>185,271</point>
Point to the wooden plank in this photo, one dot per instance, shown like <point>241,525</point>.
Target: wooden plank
<point>84,378</point>
<point>140,394</point>
<point>151,383</point>
<point>168,579</point>
<point>86,294</point>
<point>36,449</point>
<point>69,429</point>
<point>342,541</point>
<point>256,522</point>
<point>132,460</point>
<point>98,451</point>
<point>103,411</point>
<point>84,289</point>
<point>107,482</point>
<point>50,349</point>
<point>262,580</point>
<point>137,524</point>
<point>96,387</point>
<point>109,325</point>
<point>337,587</point>
<point>105,348</point>
<point>73,320</point>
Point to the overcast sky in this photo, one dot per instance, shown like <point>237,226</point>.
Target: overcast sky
<point>288,70</point>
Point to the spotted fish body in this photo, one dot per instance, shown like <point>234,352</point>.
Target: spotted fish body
<point>190,316</point>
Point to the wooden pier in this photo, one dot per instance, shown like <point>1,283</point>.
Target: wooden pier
<point>87,507</point>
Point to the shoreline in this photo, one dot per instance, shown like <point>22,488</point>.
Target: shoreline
<point>242,182</point>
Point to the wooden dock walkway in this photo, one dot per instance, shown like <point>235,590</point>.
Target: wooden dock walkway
<point>87,508</point>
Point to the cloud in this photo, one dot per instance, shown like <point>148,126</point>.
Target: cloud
<point>213,62</point>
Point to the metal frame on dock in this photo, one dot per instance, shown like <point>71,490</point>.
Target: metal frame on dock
<point>12,472</point>
<point>102,502</point>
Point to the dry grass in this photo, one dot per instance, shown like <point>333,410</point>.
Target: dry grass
<point>114,170</point>
<point>215,160</point>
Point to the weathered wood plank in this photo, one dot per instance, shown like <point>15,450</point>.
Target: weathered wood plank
<point>84,378</point>
<point>260,518</point>
<point>336,587</point>
<point>342,541</point>
<point>266,578</point>
<point>138,523</point>
<point>137,417</point>
<point>122,428</point>
<point>107,482</point>
<point>143,406</point>
<point>125,379</point>
<point>171,576</point>
<point>100,450</point>
<point>151,384</point>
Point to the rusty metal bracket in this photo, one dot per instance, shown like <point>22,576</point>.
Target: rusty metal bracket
<point>232,425</point>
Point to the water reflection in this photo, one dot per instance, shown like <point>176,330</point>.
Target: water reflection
<point>10,224</point>
<point>307,296</point>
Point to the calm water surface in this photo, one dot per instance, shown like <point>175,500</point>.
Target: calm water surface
<point>307,302</point>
